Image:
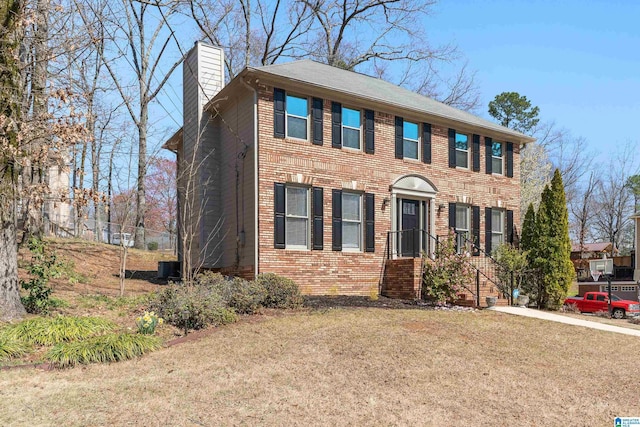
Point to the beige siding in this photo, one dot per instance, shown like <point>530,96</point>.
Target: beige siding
<point>233,213</point>
<point>202,79</point>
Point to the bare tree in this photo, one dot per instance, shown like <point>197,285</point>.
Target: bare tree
<point>193,208</point>
<point>139,39</point>
<point>567,153</point>
<point>583,211</point>
<point>366,35</point>
<point>19,135</point>
<point>614,197</point>
<point>535,172</point>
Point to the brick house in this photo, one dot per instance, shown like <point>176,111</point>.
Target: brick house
<point>333,178</point>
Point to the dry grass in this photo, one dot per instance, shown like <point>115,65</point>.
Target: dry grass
<point>349,367</point>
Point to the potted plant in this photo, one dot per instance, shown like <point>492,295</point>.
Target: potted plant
<point>491,301</point>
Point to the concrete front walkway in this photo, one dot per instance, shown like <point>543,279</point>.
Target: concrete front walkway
<point>545,315</point>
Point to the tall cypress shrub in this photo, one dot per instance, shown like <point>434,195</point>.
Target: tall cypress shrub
<point>539,256</point>
<point>528,243</point>
<point>560,268</point>
<point>527,240</point>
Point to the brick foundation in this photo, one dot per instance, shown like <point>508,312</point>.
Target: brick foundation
<point>402,278</point>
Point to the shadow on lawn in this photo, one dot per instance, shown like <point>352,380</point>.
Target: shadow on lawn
<point>150,276</point>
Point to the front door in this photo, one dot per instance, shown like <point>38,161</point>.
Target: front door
<point>410,224</point>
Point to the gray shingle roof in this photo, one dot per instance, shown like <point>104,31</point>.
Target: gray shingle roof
<point>375,89</point>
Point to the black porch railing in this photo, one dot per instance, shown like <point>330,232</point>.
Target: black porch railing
<point>488,271</point>
<point>409,243</point>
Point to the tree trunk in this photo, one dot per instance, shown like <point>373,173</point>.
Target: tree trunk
<point>10,304</point>
<point>141,201</point>
<point>34,173</point>
<point>11,13</point>
<point>124,251</point>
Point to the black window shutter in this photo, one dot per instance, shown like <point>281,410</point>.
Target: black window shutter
<point>317,107</point>
<point>278,112</point>
<point>369,212</point>
<point>369,131</point>
<point>279,219</point>
<point>488,152</point>
<point>336,125</point>
<point>318,221</point>
<point>336,220</point>
<point>399,137</point>
<point>475,230</point>
<point>510,237</point>
<point>426,143</point>
<point>475,153</point>
<point>487,230</point>
<point>452,148</point>
<point>510,159</point>
<point>452,216</point>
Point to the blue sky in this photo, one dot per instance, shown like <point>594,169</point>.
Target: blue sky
<point>579,61</point>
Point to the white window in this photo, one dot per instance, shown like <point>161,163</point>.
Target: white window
<point>410,140</point>
<point>497,157</point>
<point>351,221</point>
<point>351,122</point>
<point>297,117</point>
<point>462,150</point>
<point>497,228</point>
<point>463,226</point>
<point>297,217</point>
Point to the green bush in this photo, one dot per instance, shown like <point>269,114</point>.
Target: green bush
<point>152,246</point>
<point>11,347</point>
<point>245,297</point>
<point>50,331</point>
<point>447,274</point>
<point>282,292</point>
<point>103,349</point>
<point>192,307</point>
<point>44,266</point>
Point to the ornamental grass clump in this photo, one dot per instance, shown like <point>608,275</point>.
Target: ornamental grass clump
<point>54,330</point>
<point>148,322</point>
<point>11,348</point>
<point>102,349</point>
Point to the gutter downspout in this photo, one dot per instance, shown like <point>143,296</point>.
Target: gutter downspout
<point>255,175</point>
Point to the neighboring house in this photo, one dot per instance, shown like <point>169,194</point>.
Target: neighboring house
<point>58,214</point>
<point>321,175</point>
<point>593,250</point>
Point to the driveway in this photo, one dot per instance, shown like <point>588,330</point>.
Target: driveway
<point>545,315</point>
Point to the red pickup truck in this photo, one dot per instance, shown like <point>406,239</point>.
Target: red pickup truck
<point>598,301</point>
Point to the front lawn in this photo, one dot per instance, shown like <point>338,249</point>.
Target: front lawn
<point>349,366</point>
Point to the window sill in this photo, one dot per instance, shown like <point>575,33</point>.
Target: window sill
<point>297,249</point>
<point>410,160</point>
<point>352,251</point>
<point>353,150</point>
<point>297,140</point>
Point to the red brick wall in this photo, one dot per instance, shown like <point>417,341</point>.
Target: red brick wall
<point>402,278</point>
<point>331,272</point>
